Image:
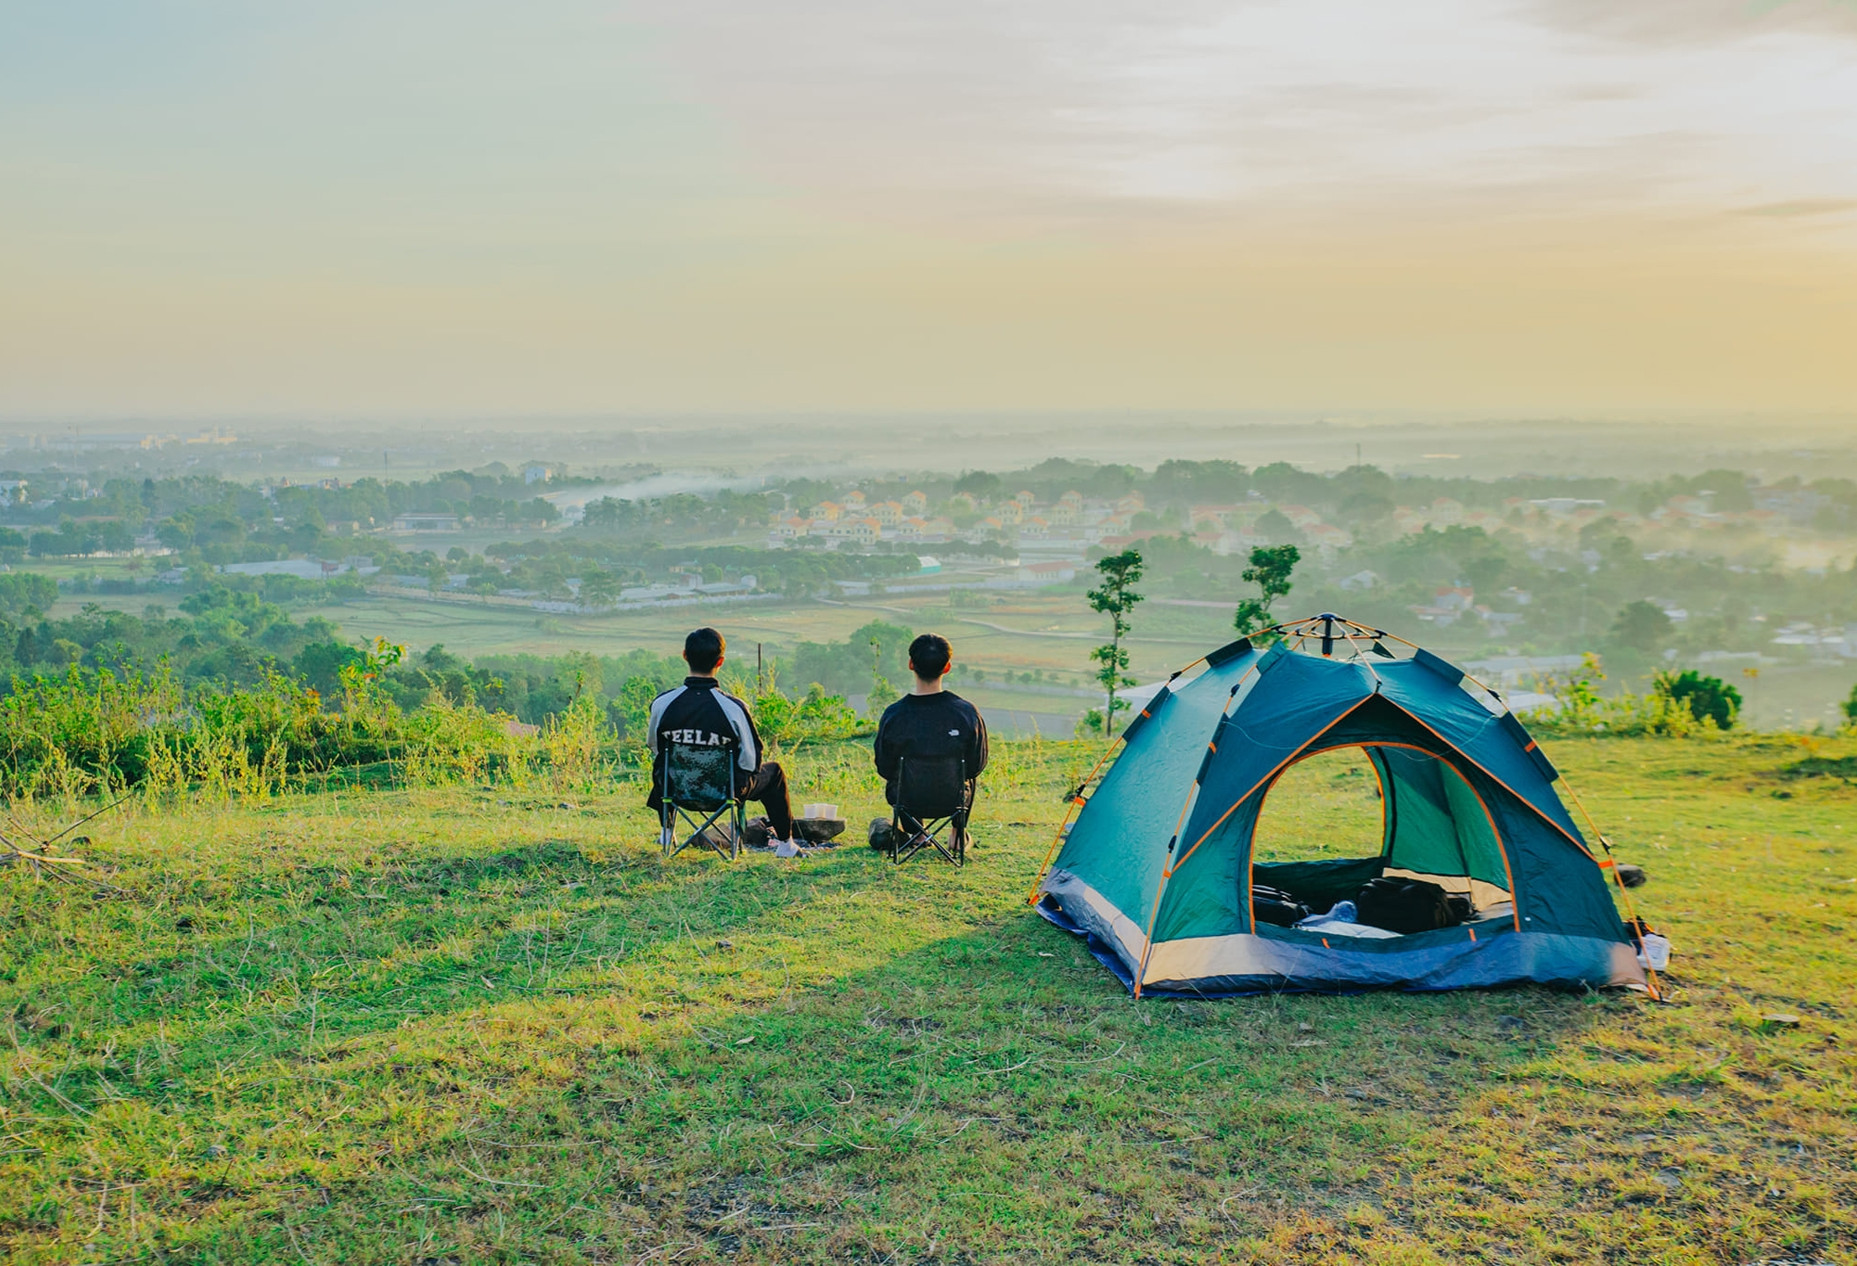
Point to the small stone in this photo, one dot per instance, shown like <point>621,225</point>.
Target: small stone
<point>725,944</point>
<point>1671,1178</point>
<point>1304,1027</point>
<point>1780,1020</point>
<point>215,1151</point>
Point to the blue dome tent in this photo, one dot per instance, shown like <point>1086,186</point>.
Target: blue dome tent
<point>1157,868</point>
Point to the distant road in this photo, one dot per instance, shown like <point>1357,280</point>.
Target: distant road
<point>1085,637</point>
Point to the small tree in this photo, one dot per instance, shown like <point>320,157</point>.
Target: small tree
<point>1115,598</point>
<point>1270,570</point>
<point>598,589</point>
<point>1850,708</point>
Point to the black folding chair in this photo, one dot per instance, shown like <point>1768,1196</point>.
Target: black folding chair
<point>933,800</point>
<point>699,791</point>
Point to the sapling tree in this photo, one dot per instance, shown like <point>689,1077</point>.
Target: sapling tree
<point>1270,570</point>
<point>1115,597</point>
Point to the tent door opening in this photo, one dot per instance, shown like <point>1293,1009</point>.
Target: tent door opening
<point>1338,818</point>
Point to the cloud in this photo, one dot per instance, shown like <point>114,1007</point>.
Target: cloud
<point>1803,207</point>
<point>1097,111</point>
<point>1663,24</point>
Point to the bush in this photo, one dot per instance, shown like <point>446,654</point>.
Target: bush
<point>1707,698</point>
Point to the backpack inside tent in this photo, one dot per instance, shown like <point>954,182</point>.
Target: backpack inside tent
<point>1481,877</point>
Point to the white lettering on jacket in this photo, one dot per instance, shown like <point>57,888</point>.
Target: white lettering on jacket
<point>698,738</point>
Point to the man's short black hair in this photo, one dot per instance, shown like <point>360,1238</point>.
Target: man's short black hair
<point>930,655</point>
<point>702,650</point>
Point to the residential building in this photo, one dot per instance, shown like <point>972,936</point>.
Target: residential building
<point>1446,512</point>
<point>859,531</point>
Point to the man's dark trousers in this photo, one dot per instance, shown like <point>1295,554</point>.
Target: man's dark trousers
<point>768,787</point>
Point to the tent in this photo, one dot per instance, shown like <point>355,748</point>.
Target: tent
<point>1157,867</point>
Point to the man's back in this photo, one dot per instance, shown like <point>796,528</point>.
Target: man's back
<point>928,726</point>
<point>700,712</point>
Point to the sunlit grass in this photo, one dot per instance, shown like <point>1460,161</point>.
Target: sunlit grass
<point>450,1026</point>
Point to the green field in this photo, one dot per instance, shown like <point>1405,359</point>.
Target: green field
<point>461,1026</point>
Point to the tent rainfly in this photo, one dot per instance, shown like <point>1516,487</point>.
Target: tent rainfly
<point>1157,868</point>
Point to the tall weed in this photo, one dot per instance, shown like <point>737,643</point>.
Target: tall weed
<point>1585,710</point>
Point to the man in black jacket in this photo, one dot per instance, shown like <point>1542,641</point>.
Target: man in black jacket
<point>701,712</point>
<point>929,721</point>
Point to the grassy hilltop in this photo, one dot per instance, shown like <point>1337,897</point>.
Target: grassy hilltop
<point>458,1025</point>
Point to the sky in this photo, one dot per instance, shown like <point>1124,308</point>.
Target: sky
<point>413,209</point>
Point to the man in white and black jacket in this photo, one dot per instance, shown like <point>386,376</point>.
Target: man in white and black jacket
<point>701,712</point>
<point>929,721</point>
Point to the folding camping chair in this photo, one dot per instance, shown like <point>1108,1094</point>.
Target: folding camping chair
<point>699,790</point>
<point>933,799</point>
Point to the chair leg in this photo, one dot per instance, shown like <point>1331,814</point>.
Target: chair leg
<point>922,836</point>
<point>700,833</point>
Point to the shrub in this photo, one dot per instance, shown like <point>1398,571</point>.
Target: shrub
<point>1707,698</point>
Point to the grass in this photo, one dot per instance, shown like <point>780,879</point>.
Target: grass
<point>453,1026</point>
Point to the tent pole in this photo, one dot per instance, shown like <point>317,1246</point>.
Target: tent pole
<point>1361,656</point>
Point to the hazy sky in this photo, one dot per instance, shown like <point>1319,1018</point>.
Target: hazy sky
<point>414,207</point>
